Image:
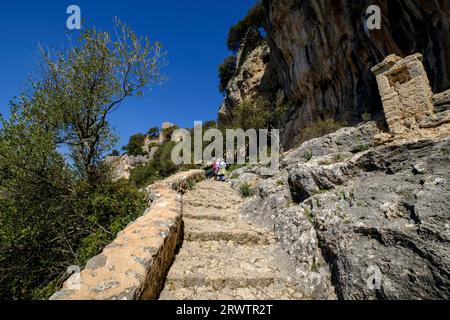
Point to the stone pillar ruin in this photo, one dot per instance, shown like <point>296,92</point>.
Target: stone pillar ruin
<point>405,92</point>
<point>411,109</point>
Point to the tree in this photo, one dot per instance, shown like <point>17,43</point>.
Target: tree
<point>114,153</point>
<point>153,132</point>
<point>60,209</point>
<point>159,167</point>
<point>226,72</point>
<point>253,20</point>
<point>83,85</point>
<point>253,114</point>
<point>134,146</point>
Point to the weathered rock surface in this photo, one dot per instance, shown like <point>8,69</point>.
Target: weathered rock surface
<point>323,52</point>
<point>346,216</point>
<point>442,101</point>
<point>122,165</point>
<point>255,77</point>
<point>374,220</point>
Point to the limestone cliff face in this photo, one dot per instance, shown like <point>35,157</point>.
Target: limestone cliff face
<point>364,211</point>
<point>324,52</point>
<point>255,76</point>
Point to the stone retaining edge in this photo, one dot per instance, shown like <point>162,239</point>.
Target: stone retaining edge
<point>134,266</point>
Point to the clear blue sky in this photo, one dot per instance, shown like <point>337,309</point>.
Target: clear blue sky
<point>193,33</point>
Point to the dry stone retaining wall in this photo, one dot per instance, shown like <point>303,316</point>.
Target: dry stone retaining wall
<point>135,265</point>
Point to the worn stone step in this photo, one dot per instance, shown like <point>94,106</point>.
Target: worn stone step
<point>271,292</point>
<point>220,264</point>
<point>202,213</point>
<point>239,232</point>
<point>205,203</point>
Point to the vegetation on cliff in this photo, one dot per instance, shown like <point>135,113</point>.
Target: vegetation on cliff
<point>253,20</point>
<point>251,26</point>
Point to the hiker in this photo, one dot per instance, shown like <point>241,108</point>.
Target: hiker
<point>209,171</point>
<point>215,168</point>
<point>222,170</point>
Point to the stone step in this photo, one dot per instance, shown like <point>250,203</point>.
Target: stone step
<point>271,292</point>
<point>220,264</point>
<point>205,203</point>
<point>239,232</point>
<point>202,213</point>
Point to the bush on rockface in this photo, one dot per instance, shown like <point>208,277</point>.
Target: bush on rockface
<point>135,144</point>
<point>245,190</point>
<point>160,167</point>
<point>253,20</point>
<point>253,114</point>
<point>318,129</point>
<point>226,72</point>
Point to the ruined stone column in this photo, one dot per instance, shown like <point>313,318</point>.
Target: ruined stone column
<point>405,92</point>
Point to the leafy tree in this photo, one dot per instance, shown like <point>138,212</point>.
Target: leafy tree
<point>159,167</point>
<point>83,85</point>
<point>226,72</point>
<point>135,144</point>
<point>253,20</point>
<point>253,114</point>
<point>59,209</point>
<point>153,132</point>
<point>114,153</point>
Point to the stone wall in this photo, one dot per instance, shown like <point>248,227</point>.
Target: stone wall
<point>135,265</point>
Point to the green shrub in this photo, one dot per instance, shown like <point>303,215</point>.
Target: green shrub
<point>338,157</point>
<point>153,132</point>
<point>245,189</point>
<point>361,148</point>
<point>253,114</point>
<point>253,20</point>
<point>161,166</point>
<point>318,129</point>
<point>144,175</point>
<point>38,241</point>
<point>366,116</point>
<point>308,155</point>
<point>135,144</point>
<point>226,72</point>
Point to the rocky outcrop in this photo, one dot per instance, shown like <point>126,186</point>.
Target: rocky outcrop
<point>442,101</point>
<point>135,265</point>
<point>323,52</point>
<point>255,77</point>
<point>371,220</point>
<point>346,215</point>
<point>121,166</point>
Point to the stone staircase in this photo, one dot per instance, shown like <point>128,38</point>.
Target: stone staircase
<point>222,256</point>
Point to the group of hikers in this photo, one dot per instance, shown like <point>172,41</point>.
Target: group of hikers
<point>217,169</point>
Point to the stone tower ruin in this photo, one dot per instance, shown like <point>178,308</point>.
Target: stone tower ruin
<point>407,99</point>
